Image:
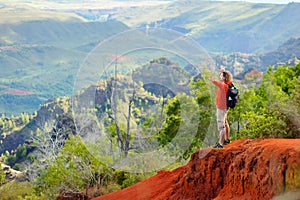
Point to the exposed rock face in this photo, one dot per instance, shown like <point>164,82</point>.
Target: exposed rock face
<point>245,169</point>
<point>12,175</point>
<point>65,195</point>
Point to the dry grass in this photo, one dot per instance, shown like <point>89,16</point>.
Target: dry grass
<point>10,15</point>
<point>20,10</point>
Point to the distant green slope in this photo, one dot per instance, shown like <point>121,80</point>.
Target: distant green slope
<point>59,33</point>
<point>223,26</point>
<point>43,57</point>
<point>41,51</point>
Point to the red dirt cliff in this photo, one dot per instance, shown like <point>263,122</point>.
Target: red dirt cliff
<point>245,169</point>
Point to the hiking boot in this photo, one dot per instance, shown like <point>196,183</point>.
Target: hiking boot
<point>227,142</point>
<point>218,146</point>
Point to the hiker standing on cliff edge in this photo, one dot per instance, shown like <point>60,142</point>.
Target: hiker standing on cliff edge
<point>222,108</point>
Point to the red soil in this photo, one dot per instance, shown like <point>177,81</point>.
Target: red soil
<point>245,169</point>
<point>254,73</point>
<point>17,92</point>
<point>8,48</point>
<point>120,58</point>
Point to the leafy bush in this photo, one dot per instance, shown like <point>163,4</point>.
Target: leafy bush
<point>262,126</point>
<point>75,169</point>
<point>18,191</point>
<point>2,177</point>
<point>19,156</point>
<point>272,110</point>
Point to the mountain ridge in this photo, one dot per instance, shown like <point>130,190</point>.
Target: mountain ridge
<point>224,26</point>
<point>33,51</point>
<point>44,58</point>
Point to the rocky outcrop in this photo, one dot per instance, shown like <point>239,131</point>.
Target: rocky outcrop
<point>67,195</point>
<point>12,175</point>
<point>245,169</point>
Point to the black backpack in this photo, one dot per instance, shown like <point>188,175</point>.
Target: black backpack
<point>232,95</point>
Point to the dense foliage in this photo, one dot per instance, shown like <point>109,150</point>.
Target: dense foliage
<point>270,109</point>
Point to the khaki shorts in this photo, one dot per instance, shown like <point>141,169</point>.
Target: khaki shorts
<point>221,118</point>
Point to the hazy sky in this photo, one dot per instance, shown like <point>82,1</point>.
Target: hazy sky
<point>268,1</point>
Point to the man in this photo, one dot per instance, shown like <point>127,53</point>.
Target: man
<point>222,108</point>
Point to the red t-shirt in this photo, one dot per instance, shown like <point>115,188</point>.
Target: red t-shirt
<point>221,94</point>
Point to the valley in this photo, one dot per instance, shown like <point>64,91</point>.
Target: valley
<point>96,96</point>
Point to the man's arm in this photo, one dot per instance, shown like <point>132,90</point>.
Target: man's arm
<point>215,82</point>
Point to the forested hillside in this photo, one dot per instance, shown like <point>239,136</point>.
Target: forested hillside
<point>238,63</point>
<point>41,59</point>
<point>97,96</point>
<point>236,26</point>
<point>41,50</point>
<point>131,139</point>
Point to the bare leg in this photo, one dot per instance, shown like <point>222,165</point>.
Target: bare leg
<point>227,131</point>
<point>222,135</point>
<point>221,123</point>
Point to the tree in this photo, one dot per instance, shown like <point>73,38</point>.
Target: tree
<point>49,141</point>
<point>181,130</point>
<point>2,177</point>
<point>21,152</point>
<point>74,169</point>
<point>124,142</point>
<point>269,111</point>
<point>172,123</point>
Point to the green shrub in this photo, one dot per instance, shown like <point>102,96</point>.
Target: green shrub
<point>14,191</point>
<point>2,177</point>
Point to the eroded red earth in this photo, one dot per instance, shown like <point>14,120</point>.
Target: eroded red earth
<point>245,169</point>
<point>17,92</point>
